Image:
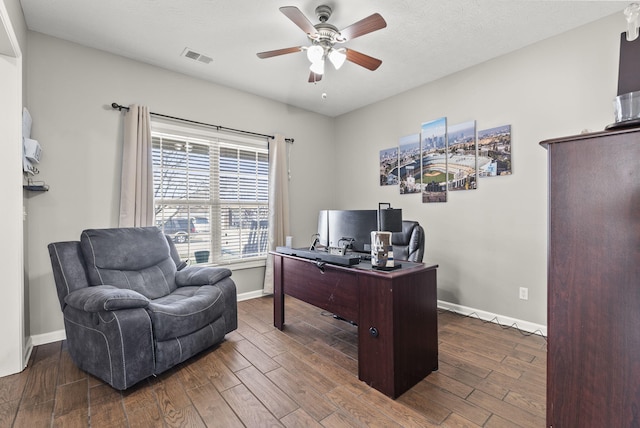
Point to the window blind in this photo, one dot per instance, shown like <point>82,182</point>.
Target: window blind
<point>211,193</point>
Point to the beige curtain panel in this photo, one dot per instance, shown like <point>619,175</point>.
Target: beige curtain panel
<point>278,203</point>
<point>136,188</point>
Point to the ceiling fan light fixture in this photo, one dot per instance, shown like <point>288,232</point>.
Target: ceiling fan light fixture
<point>315,53</point>
<point>317,67</point>
<point>323,36</point>
<point>337,57</point>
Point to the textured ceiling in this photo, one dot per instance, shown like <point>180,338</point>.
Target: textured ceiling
<point>424,39</point>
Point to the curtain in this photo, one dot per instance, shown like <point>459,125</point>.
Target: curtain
<point>136,185</point>
<point>278,203</point>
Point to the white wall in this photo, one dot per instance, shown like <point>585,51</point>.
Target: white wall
<point>70,90</point>
<point>488,242</point>
<point>491,241</point>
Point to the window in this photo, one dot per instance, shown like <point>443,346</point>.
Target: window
<point>211,193</point>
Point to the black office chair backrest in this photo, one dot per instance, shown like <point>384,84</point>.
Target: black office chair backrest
<point>409,244</point>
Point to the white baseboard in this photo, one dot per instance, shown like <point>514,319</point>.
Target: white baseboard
<point>252,295</point>
<point>43,339</point>
<point>527,326</point>
<point>26,354</point>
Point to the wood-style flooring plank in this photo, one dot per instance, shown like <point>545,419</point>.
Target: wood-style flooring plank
<point>232,358</point>
<point>192,370</point>
<point>185,417</point>
<point>478,360</point>
<point>300,419</point>
<point>71,396</point>
<point>303,376</point>
<point>34,415</point>
<point>8,410</point>
<point>506,410</point>
<point>267,392</point>
<point>75,419</point>
<point>434,412</point>
<point>395,410</point>
<point>498,381</point>
<point>450,384</point>
<point>213,409</point>
<point>42,380</point>
<point>450,401</point>
<point>340,420</point>
<point>250,410</point>
<point>12,386</point>
<point>457,421</point>
<point>255,356</point>
<point>360,411</point>
<point>145,416</point>
<point>304,394</point>
<point>299,368</point>
<point>107,413</point>
<point>68,371</point>
<point>218,373</point>
<point>261,341</point>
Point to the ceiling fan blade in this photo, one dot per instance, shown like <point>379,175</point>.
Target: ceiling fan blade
<point>363,60</point>
<point>298,18</point>
<point>277,52</point>
<point>313,77</point>
<point>364,26</point>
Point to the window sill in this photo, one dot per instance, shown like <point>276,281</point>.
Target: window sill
<point>249,264</point>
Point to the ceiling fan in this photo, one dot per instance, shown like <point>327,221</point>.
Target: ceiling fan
<point>324,37</point>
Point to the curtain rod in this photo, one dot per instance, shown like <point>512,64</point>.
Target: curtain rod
<point>119,107</point>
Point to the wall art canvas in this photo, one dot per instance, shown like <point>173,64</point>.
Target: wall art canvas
<point>433,151</point>
<point>494,151</point>
<point>409,164</point>
<point>463,156</point>
<point>389,167</point>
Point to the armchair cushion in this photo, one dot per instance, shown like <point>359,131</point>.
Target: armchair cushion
<point>135,258</point>
<point>201,275</point>
<point>185,310</point>
<point>105,298</point>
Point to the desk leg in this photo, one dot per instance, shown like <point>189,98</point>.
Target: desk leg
<point>278,293</point>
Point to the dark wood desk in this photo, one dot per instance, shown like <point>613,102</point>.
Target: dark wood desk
<point>396,314</point>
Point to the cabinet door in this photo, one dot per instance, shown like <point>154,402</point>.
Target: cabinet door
<point>402,348</point>
<point>375,334</point>
<point>593,365</point>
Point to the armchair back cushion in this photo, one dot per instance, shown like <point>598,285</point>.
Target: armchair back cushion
<point>139,261</point>
<point>69,270</point>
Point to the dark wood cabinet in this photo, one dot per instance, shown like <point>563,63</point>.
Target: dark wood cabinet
<point>593,357</point>
<point>397,344</point>
<point>396,314</point>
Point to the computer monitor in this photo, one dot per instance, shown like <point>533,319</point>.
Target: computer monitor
<point>352,228</point>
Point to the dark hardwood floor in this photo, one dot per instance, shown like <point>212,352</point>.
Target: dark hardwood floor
<point>304,376</point>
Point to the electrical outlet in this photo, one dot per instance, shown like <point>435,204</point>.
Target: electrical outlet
<point>524,293</point>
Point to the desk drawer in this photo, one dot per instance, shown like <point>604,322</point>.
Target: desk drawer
<point>332,289</point>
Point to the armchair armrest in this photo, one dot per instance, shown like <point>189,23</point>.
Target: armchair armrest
<point>201,275</point>
<point>105,298</point>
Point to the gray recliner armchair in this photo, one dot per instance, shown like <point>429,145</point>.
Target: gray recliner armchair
<point>129,313</point>
<point>409,244</point>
